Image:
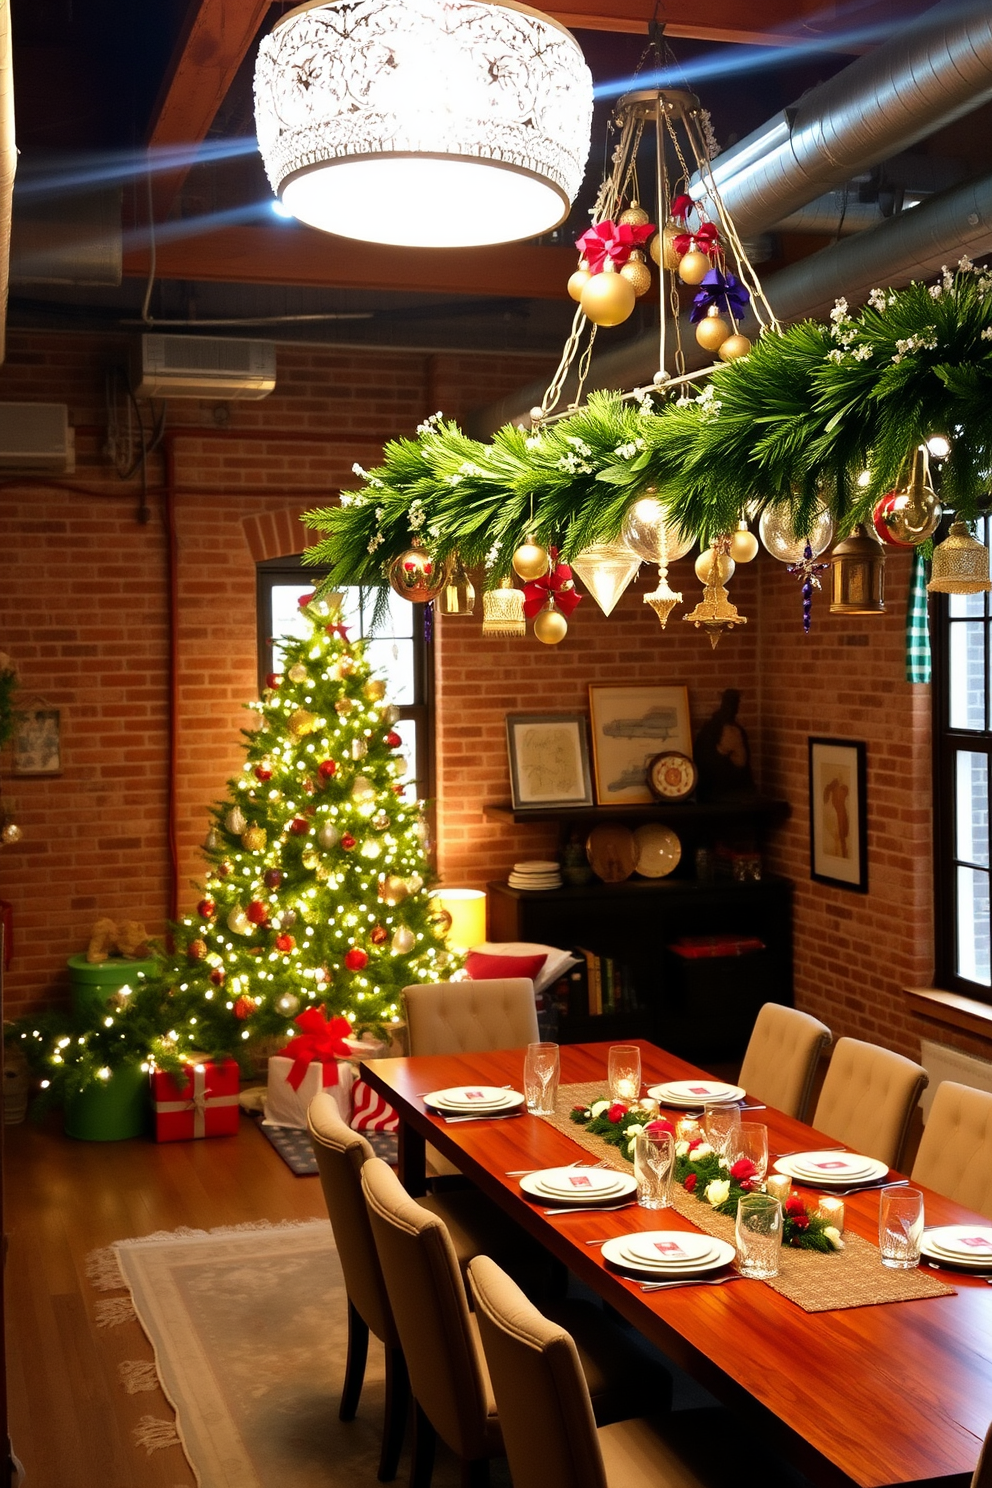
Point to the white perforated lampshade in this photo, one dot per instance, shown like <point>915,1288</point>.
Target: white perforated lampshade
<point>434,123</point>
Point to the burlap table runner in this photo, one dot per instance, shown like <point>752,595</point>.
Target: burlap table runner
<point>852,1277</point>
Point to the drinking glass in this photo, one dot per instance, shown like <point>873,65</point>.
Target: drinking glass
<point>720,1122</point>
<point>541,1070</point>
<point>625,1072</point>
<point>654,1166</point>
<point>749,1139</point>
<point>758,1234</point>
<point>900,1227</point>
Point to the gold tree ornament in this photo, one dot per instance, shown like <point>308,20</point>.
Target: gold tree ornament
<point>693,266</point>
<point>579,280</point>
<point>714,613</point>
<point>712,331</point>
<point>253,839</point>
<point>530,561</point>
<point>663,600</point>
<point>743,544</point>
<point>637,273</point>
<point>662,247</point>
<point>458,595</point>
<point>735,347</point>
<point>503,611</point>
<point>606,569</point>
<point>635,215</point>
<point>907,517</point>
<point>714,567</point>
<point>857,575</point>
<point>608,298</point>
<point>960,564</point>
<point>301,722</point>
<point>416,575</point>
<point>550,625</point>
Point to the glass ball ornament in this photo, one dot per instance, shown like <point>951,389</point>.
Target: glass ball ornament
<point>646,533</point>
<point>608,299</point>
<point>404,940</point>
<point>578,281</point>
<point>235,821</point>
<point>328,835</point>
<point>693,267</point>
<point>606,569</point>
<point>743,544</point>
<point>637,273</point>
<point>714,568</point>
<point>238,922</point>
<point>10,834</point>
<point>393,889</point>
<point>288,1003</point>
<point>415,575</point>
<point>779,536</point>
<point>550,625</point>
<point>735,347</point>
<point>298,672</point>
<point>530,561</point>
<point>712,331</point>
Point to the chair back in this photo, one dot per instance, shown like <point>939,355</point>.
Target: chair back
<point>341,1154</point>
<point>982,1477</point>
<point>471,1017</point>
<point>868,1097</point>
<point>955,1153</point>
<point>430,1307</point>
<point>782,1056</point>
<point>549,1431</point>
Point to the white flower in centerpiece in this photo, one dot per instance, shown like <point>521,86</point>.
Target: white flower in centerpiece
<point>633,1131</point>
<point>717,1192</point>
<point>598,1107</point>
<point>703,1150</point>
<point>833,1235</point>
<point>725,1165</point>
<point>648,1105</point>
<point>681,1149</point>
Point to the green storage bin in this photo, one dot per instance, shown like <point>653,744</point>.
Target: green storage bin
<point>112,1109</point>
<point>93,983</point>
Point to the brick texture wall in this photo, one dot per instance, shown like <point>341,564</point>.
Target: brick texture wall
<point>85,608</point>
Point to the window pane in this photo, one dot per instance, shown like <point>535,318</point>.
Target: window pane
<point>288,622</point>
<point>394,661</point>
<point>967,679</point>
<point>398,622</point>
<point>407,730</point>
<point>972,802</point>
<point>973,925</point>
<point>965,606</point>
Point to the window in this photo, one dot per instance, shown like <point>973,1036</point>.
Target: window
<point>962,753</point>
<point>395,648</point>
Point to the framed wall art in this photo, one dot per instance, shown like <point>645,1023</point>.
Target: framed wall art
<point>37,742</point>
<point>549,759</point>
<point>838,816</point>
<point>630,725</point>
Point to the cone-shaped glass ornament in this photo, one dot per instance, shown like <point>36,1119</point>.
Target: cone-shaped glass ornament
<point>606,569</point>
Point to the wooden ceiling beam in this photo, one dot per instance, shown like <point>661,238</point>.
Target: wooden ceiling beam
<point>291,254</point>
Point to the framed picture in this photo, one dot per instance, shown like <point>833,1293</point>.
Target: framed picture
<point>630,725</point>
<point>838,818</point>
<point>549,759</point>
<point>37,745</point>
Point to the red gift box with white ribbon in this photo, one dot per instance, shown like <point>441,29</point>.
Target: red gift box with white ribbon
<point>202,1102</point>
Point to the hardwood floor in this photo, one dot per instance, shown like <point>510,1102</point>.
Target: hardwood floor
<point>71,1421</point>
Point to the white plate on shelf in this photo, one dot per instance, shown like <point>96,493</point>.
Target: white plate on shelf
<point>568,1186</point>
<point>464,1099</point>
<point>959,1245</point>
<point>696,1093</point>
<point>829,1169</point>
<point>617,1252</point>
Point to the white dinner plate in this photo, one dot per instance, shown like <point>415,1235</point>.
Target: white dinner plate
<point>578,1193</point>
<point>670,1248</point>
<point>963,1245</point>
<point>832,1169</point>
<point>466,1099</point>
<point>696,1092</point>
<point>579,1180</point>
<point>614,1251</point>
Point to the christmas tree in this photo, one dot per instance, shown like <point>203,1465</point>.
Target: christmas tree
<point>317,893</point>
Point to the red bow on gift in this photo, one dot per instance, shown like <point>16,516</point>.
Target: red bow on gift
<point>337,630</point>
<point>706,238</point>
<point>557,582</point>
<point>612,240</point>
<point>319,1038</point>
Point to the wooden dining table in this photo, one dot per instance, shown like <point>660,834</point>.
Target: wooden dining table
<point>892,1393</point>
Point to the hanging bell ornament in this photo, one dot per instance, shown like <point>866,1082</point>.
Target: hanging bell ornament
<point>637,273</point>
<point>635,215</point>
<point>608,299</point>
<point>960,564</point>
<point>743,544</point>
<point>416,576</point>
<point>235,821</point>
<point>458,594</point>
<point>550,625</point>
<point>606,569</point>
<point>530,561</point>
<point>907,517</point>
<point>662,247</point>
<point>735,347</point>
<point>714,613</point>
<point>503,611</point>
<point>693,268</point>
<point>712,331</point>
<point>579,280</point>
<point>404,940</point>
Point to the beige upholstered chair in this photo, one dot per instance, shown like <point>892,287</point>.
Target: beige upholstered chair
<point>472,1222</point>
<point>471,1017</point>
<point>549,1429</point>
<point>982,1477</point>
<point>955,1154</point>
<point>781,1057</point>
<point>868,1097</point>
<point>441,1345</point>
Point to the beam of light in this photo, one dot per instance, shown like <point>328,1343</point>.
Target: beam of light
<point>66,173</point>
<point>195,227</point>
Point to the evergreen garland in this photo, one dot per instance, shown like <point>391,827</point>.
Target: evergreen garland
<point>790,426</point>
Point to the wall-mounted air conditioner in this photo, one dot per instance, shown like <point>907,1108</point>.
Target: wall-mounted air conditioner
<point>205,367</point>
<point>37,436</point>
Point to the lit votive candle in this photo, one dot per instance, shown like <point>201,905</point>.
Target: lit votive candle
<point>687,1129</point>
<point>626,1090</point>
<point>779,1185</point>
<point>832,1211</point>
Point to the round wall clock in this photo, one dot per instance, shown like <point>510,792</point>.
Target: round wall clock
<point>671,776</point>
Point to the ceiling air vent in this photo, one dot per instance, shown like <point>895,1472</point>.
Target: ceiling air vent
<point>37,436</point>
<point>205,367</point>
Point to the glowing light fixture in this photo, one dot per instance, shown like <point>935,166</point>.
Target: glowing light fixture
<point>467,908</point>
<point>429,123</point>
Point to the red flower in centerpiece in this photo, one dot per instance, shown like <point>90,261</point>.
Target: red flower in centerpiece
<point>662,1125</point>
<point>617,1111</point>
<point>695,1142</point>
<point>579,1108</point>
<point>795,1208</point>
<point>745,1172</point>
<point>690,1182</point>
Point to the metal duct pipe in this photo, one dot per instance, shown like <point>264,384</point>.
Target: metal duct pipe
<point>937,69</point>
<point>913,245</point>
<point>835,213</point>
<point>8,163</point>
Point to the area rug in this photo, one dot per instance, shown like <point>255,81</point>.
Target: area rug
<point>249,1333</point>
<point>293,1146</point>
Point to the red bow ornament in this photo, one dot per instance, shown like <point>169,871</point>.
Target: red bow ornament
<point>706,239</point>
<point>337,630</point>
<point>320,1038</point>
<point>612,240</point>
<point>556,584</point>
<point>681,207</point>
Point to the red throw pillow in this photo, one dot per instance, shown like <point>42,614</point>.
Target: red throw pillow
<point>482,967</point>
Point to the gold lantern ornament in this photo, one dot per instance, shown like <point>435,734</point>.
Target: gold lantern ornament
<point>637,273</point>
<point>550,625</point>
<point>608,298</point>
<point>579,280</point>
<point>458,595</point>
<point>712,331</point>
<point>960,564</point>
<point>530,561</point>
<point>714,613</point>
<point>415,575</point>
<point>503,610</point>
<point>857,576</point>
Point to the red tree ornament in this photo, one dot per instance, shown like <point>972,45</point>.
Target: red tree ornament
<point>206,909</point>
<point>223,869</point>
<point>380,935</point>
<point>257,912</point>
<point>347,842</point>
<point>243,1008</point>
<point>217,976</point>
<point>356,959</point>
<point>273,878</point>
<point>393,739</point>
<point>299,825</point>
<point>273,679</point>
<point>326,769</point>
<point>263,772</point>
<point>285,943</point>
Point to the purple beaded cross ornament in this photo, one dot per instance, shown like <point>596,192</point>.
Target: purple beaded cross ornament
<point>809,572</point>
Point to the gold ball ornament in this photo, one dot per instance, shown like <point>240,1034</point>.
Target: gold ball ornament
<point>608,299</point>
<point>441,920</point>
<point>11,833</point>
<point>393,889</point>
<point>375,690</point>
<point>714,568</point>
<point>693,267</point>
<point>310,857</point>
<point>635,215</point>
<point>743,545</point>
<point>735,347</point>
<point>343,706</point>
<point>530,561</point>
<point>288,1003</point>
<point>404,940</point>
<point>637,274</point>
<point>713,331</point>
<point>662,247</point>
<point>416,575</point>
<point>238,921</point>
<point>550,626</point>
<point>579,280</point>
<point>253,839</point>
<point>301,722</point>
<point>297,672</point>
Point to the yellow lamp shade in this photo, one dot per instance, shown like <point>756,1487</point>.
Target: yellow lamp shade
<point>467,908</point>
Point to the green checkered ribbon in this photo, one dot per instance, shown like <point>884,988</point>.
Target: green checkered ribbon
<point>917,629</point>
